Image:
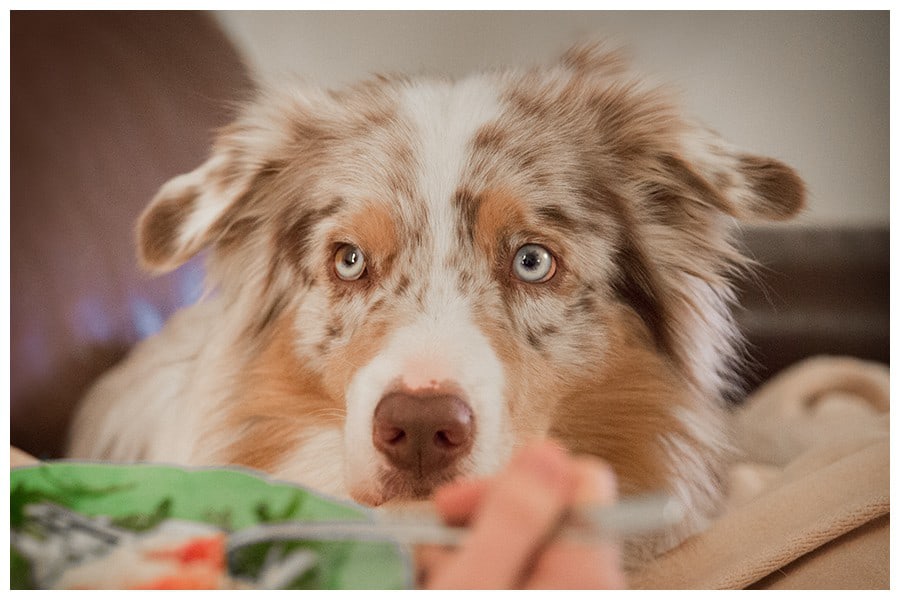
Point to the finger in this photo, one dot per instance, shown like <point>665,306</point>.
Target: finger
<point>429,559</point>
<point>524,504</point>
<point>575,565</point>
<point>578,566</point>
<point>595,482</point>
<point>457,502</point>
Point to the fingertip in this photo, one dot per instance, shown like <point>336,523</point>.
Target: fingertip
<point>457,501</point>
<point>547,460</point>
<point>596,481</point>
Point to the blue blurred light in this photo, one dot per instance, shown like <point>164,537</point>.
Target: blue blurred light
<point>147,320</point>
<point>189,282</point>
<point>92,319</point>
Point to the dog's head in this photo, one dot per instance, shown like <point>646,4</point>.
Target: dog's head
<point>429,271</point>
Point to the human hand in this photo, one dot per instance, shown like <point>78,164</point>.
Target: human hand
<point>512,518</point>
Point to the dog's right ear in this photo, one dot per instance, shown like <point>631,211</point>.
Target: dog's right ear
<point>195,209</point>
<point>189,211</point>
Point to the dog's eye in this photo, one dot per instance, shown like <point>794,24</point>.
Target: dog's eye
<point>349,262</point>
<point>534,264</point>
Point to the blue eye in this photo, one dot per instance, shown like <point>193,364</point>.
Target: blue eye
<point>534,264</point>
<point>349,262</point>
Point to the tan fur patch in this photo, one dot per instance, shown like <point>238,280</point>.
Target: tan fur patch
<point>276,400</point>
<point>625,416</point>
<point>499,212</point>
<point>374,230</point>
<point>343,364</point>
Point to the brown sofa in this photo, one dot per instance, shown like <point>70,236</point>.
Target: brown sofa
<point>105,107</point>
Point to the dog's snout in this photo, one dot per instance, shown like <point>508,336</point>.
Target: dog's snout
<point>423,433</point>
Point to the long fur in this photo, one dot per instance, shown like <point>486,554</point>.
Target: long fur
<point>625,353</point>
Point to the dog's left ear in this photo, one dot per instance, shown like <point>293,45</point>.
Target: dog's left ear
<point>748,187</point>
<point>707,170</point>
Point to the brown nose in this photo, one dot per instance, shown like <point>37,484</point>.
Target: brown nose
<point>423,433</point>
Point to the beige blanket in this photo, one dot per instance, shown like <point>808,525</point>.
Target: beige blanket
<point>809,496</point>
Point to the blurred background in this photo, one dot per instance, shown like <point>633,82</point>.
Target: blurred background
<point>105,107</point>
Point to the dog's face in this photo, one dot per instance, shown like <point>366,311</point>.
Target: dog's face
<point>424,274</point>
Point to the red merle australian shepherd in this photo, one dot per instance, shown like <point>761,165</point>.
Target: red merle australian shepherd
<point>411,277</point>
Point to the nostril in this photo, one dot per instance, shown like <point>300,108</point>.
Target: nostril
<point>457,429</point>
<point>445,439</point>
<point>388,434</point>
<point>422,432</point>
<point>394,436</point>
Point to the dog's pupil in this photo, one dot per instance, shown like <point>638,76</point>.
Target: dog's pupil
<point>530,260</point>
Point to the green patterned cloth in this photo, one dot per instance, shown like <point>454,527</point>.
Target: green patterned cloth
<point>92,525</point>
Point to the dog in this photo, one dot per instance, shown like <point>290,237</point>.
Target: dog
<point>410,277</point>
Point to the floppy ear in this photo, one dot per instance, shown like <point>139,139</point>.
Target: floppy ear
<point>708,170</point>
<point>193,210</point>
<point>745,186</point>
<point>190,211</point>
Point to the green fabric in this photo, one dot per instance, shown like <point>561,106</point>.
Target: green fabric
<point>138,496</point>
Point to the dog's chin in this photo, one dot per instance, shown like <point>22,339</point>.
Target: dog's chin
<point>398,487</point>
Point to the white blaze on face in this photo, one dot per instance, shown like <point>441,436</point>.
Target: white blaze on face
<point>441,343</point>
